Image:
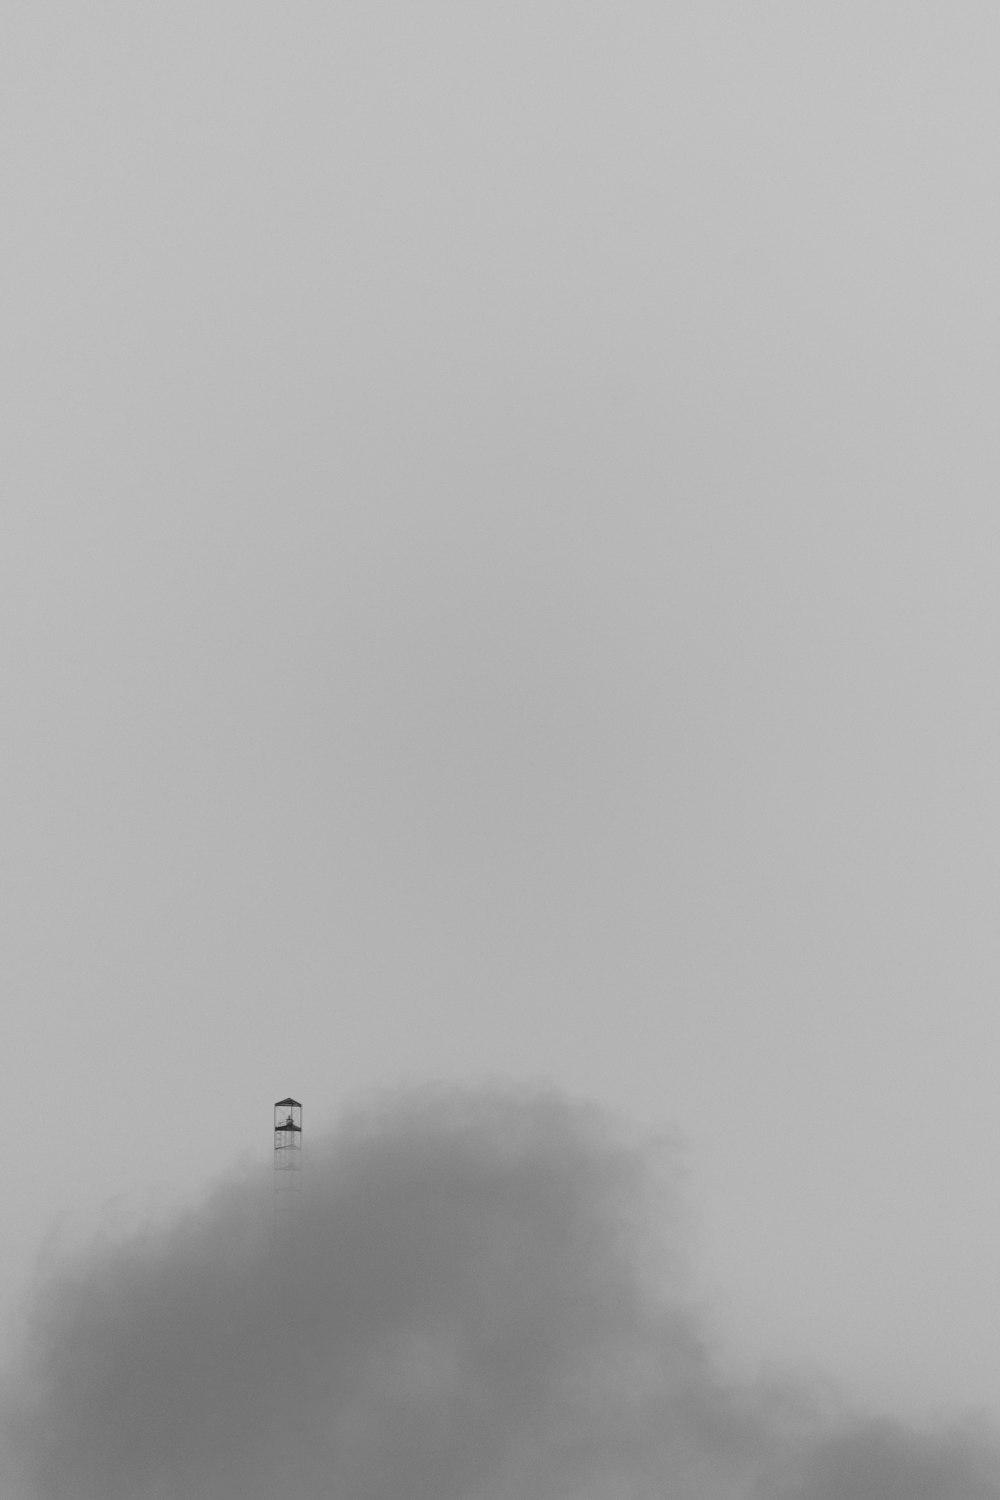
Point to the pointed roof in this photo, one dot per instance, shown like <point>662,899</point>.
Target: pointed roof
<point>282,1102</point>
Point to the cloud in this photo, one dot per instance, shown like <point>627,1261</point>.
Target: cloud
<point>482,1299</point>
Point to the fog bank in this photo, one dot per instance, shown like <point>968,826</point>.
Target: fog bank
<point>483,1300</point>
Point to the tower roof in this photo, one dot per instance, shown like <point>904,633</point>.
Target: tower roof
<point>282,1102</point>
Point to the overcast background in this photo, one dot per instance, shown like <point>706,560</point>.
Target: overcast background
<point>499,576</point>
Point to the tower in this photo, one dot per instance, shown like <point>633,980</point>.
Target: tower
<point>287,1161</point>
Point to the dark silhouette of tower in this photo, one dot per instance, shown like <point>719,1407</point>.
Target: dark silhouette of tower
<point>287,1162</point>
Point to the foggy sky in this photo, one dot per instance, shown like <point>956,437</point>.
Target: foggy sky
<point>484,1297</point>
<point>498,535</point>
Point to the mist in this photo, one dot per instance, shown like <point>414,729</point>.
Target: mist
<point>486,1295</point>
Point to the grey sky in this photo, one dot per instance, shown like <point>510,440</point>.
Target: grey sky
<point>498,576</point>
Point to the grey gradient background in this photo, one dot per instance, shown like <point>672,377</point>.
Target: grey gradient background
<point>499,556</point>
